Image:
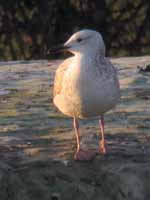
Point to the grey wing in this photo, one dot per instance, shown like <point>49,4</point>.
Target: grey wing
<point>59,76</point>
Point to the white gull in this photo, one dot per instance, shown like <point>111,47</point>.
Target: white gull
<point>86,85</point>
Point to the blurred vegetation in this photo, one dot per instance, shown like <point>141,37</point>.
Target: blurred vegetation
<point>28,28</point>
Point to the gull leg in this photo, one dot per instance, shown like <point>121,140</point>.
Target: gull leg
<point>102,141</point>
<point>76,127</point>
<point>80,153</point>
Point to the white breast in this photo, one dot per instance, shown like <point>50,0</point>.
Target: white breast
<point>87,91</point>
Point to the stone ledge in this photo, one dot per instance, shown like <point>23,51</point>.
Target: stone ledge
<point>37,142</point>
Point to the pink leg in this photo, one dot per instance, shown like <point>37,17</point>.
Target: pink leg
<point>102,142</point>
<point>80,153</point>
<point>76,127</point>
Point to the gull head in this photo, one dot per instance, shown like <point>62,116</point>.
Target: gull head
<point>84,42</point>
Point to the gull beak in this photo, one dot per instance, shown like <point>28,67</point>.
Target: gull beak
<point>58,49</point>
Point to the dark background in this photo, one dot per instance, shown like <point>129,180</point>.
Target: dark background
<point>29,27</point>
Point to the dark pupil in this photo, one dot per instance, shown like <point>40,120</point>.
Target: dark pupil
<point>79,39</point>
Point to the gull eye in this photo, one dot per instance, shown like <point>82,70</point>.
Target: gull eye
<point>79,40</point>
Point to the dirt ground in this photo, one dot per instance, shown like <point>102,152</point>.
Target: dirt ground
<point>37,142</point>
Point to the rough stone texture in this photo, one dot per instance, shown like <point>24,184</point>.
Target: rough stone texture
<point>37,142</point>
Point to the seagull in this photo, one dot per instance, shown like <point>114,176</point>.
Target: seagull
<point>86,85</point>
